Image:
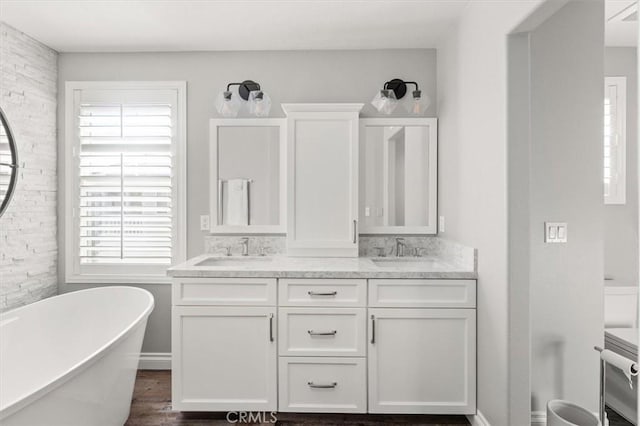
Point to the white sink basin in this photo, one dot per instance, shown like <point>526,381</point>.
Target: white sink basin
<point>234,261</point>
<point>394,262</point>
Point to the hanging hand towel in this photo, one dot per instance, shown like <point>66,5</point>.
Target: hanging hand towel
<point>235,202</point>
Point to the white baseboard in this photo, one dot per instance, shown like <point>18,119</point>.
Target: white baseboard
<point>478,419</point>
<point>155,361</point>
<point>538,418</point>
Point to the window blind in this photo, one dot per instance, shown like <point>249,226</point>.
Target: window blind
<point>614,142</point>
<point>125,183</point>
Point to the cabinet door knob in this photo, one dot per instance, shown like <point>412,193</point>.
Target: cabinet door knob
<point>322,333</point>
<point>322,385</point>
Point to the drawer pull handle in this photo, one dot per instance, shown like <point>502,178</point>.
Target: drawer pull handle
<point>320,293</point>
<point>322,333</point>
<point>271,327</point>
<point>323,385</point>
<point>373,329</point>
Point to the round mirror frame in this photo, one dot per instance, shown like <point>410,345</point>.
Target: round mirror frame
<point>13,165</point>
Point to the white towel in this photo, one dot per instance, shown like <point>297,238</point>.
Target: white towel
<point>235,202</point>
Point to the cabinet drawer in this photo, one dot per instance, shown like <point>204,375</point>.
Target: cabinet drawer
<point>224,291</point>
<point>322,292</point>
<point>423,293</point>
<point>336,385</point>
<point>322,331</point>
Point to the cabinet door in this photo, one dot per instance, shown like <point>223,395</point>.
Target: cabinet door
<point>322,184</point>
<point>422,361</point>
<point>224,358</point>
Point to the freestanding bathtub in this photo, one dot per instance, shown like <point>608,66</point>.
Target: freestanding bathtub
<point>72,359</point>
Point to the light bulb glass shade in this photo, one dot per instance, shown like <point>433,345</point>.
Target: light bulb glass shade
<point>228,104</point>
<point>259,103</point>
<point>418,104</point>
<point>385,101</point>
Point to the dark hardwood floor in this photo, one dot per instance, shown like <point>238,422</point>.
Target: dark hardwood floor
<point>616,419</point>
<point>151,406</point>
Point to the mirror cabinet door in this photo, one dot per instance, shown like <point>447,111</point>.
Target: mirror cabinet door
<point>247,176</point>
<point>398,175</point>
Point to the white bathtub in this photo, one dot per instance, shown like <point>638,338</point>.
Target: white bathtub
<point>72,359</point>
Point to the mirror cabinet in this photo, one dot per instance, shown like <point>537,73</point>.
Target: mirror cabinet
<point>324,176</point>
<point>398,176</point>
<point>248,176</point>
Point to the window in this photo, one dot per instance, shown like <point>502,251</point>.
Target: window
<point>615,140</point>
<point>125,179</point>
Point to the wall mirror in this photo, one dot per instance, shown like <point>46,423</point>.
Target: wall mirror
<point>8,163</point>
<point>248,176</point>
<point>398,176</point>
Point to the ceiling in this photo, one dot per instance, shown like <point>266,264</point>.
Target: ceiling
<point>192,25</point>
<point>621,26</point>
<point>189,25</point>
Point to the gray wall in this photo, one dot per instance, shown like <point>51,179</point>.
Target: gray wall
<point>300,76</point>
<point>565,171</point>
<point>472,110</point>
<point>519,102</point>
<point>28,247</point>
<point>621,221</point>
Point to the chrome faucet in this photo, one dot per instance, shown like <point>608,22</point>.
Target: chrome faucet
<point>400,245</point>
<point>244,242</point>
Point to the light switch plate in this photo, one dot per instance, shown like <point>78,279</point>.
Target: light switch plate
<point>555,232</point>
<point>204,222</point>
<point>441,224</point>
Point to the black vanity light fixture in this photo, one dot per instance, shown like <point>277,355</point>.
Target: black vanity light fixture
<point>228,103</point>
<point>387,99</point>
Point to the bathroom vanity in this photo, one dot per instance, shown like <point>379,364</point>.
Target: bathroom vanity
<point>377,335</point>
<point>332,323</point>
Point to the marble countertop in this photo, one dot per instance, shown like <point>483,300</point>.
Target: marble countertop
<point>326,267</point>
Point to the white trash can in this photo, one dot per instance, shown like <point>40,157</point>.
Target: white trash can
<point>565,413</point>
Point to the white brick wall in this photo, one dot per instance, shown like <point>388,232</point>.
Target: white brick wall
<point>28,247</point>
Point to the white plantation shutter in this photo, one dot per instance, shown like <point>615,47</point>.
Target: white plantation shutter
<point>614,167</point>
<point>125,170</point>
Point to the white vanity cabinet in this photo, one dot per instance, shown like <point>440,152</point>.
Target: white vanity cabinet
<point>224,349</point>
<point>339,345</point>
<point>322,181</point>
<point>422,360</point>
